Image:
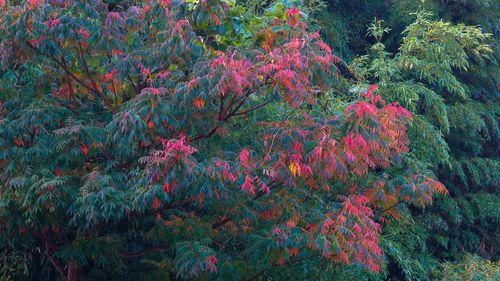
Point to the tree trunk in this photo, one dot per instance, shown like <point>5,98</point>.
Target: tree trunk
<point>73,272</point>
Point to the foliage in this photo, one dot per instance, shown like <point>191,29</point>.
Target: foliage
<point>471,268</point>
<point>453,134</point>
<point>172,140</point>
<point>225,140</point>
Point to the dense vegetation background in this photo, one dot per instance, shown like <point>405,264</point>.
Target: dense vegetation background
<point>249,140</point>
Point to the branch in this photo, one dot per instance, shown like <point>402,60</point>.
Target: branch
<point>233,100</point>
<point>225,117</point>
<point>231,114</point>
<point>66,70</point>
<point>86,67</point>
<point>393,206</point>
<point>221,107</point>
<point>56,263</point>
<point>345,71</point>
<point>205,136</point>
<point>252,109</point>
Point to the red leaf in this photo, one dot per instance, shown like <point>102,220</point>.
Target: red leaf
<point>248,186</point>
<point>199,103</point>
<point>156,203</point>
<point>167,187</point>
<point>243,157</point>
<point>211,261</point>
<point>84,149</point>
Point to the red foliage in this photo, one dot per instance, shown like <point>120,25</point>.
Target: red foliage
<point>248,185</point>
<point>211,261</point>
<point>84,149</point>
<point>303,154</point>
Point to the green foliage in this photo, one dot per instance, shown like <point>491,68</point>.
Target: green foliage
<point>423,67</point>
<point>454,134</point>
<point>471,268</point>
<point>405,236</point>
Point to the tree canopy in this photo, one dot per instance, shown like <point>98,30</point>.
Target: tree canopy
<point>237,140</point>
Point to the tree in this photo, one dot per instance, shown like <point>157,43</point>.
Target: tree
<point>139,141</point>
<point>452,134</point>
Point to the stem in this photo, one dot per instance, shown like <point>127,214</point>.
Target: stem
<point>252,109</point>
<point>207,135</point>
<point>221,107</point>
<point>393,206</point>
<point>86,67</point>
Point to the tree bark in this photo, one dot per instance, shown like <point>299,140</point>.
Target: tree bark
<point>73,272</point>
